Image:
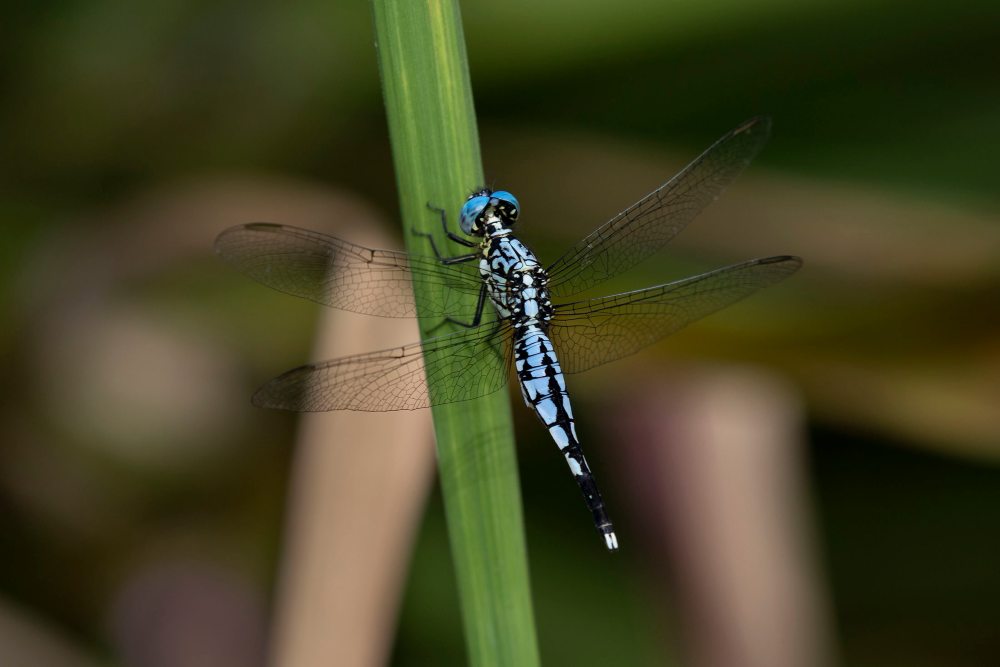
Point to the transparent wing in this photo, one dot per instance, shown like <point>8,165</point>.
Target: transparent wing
<point>589,333</point>
<point>643,228</point>
<point>463,365</point>
<point>343,275</point>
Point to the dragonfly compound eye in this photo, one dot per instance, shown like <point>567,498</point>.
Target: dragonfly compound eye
<point>507,205</point>
<point>470,219</point>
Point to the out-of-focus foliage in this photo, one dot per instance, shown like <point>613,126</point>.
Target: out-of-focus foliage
<point>131,132</point>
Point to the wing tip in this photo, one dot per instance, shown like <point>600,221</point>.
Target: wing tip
<point>785,264</point>
<point>276,395</point>
<point>263,398</point>
<point>220,245</point>
<point>782,259</point>
<point>756,124</point>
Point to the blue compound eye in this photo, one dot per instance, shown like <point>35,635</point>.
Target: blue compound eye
<point>470,212</point>
<point>509,205</point>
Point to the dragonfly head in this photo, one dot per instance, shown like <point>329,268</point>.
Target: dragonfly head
<point>487,207</point>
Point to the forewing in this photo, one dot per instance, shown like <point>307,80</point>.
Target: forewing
<point>643,228</point>
<point>343,275</point>
<point>461,366</point>
<point>589,333</point>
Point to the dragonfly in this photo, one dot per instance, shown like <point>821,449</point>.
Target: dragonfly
<point>541,326</point>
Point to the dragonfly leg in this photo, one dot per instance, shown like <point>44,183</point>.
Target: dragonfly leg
<point>444,225</point>
<point>444,259</point>
<point>476,319</point>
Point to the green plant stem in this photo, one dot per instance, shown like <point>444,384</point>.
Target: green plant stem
<point>435,146</point>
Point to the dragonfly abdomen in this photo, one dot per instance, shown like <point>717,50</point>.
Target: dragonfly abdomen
<point>543,387</point>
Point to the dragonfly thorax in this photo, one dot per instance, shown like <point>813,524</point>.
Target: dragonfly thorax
<point>515,282</point>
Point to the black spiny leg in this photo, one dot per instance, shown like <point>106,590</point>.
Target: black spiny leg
<point>451,236</point>
<point>444,225</point>
<point>458,259</point>
<point>476,319</point>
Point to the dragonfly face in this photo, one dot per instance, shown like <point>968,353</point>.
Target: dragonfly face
<point>487,211</point>
<point>541,332</point>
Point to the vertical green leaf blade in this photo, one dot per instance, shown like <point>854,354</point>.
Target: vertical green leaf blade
<point>436,153</point>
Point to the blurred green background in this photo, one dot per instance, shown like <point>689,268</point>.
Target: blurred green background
<point>129,454</point>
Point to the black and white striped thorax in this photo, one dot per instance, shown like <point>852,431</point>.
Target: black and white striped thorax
<point>515,281</point>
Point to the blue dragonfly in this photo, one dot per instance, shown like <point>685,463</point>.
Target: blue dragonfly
<point>537,328</point>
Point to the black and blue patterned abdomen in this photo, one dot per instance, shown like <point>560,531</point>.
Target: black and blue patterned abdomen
<point>543,387</point>
<point>543,384</point>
